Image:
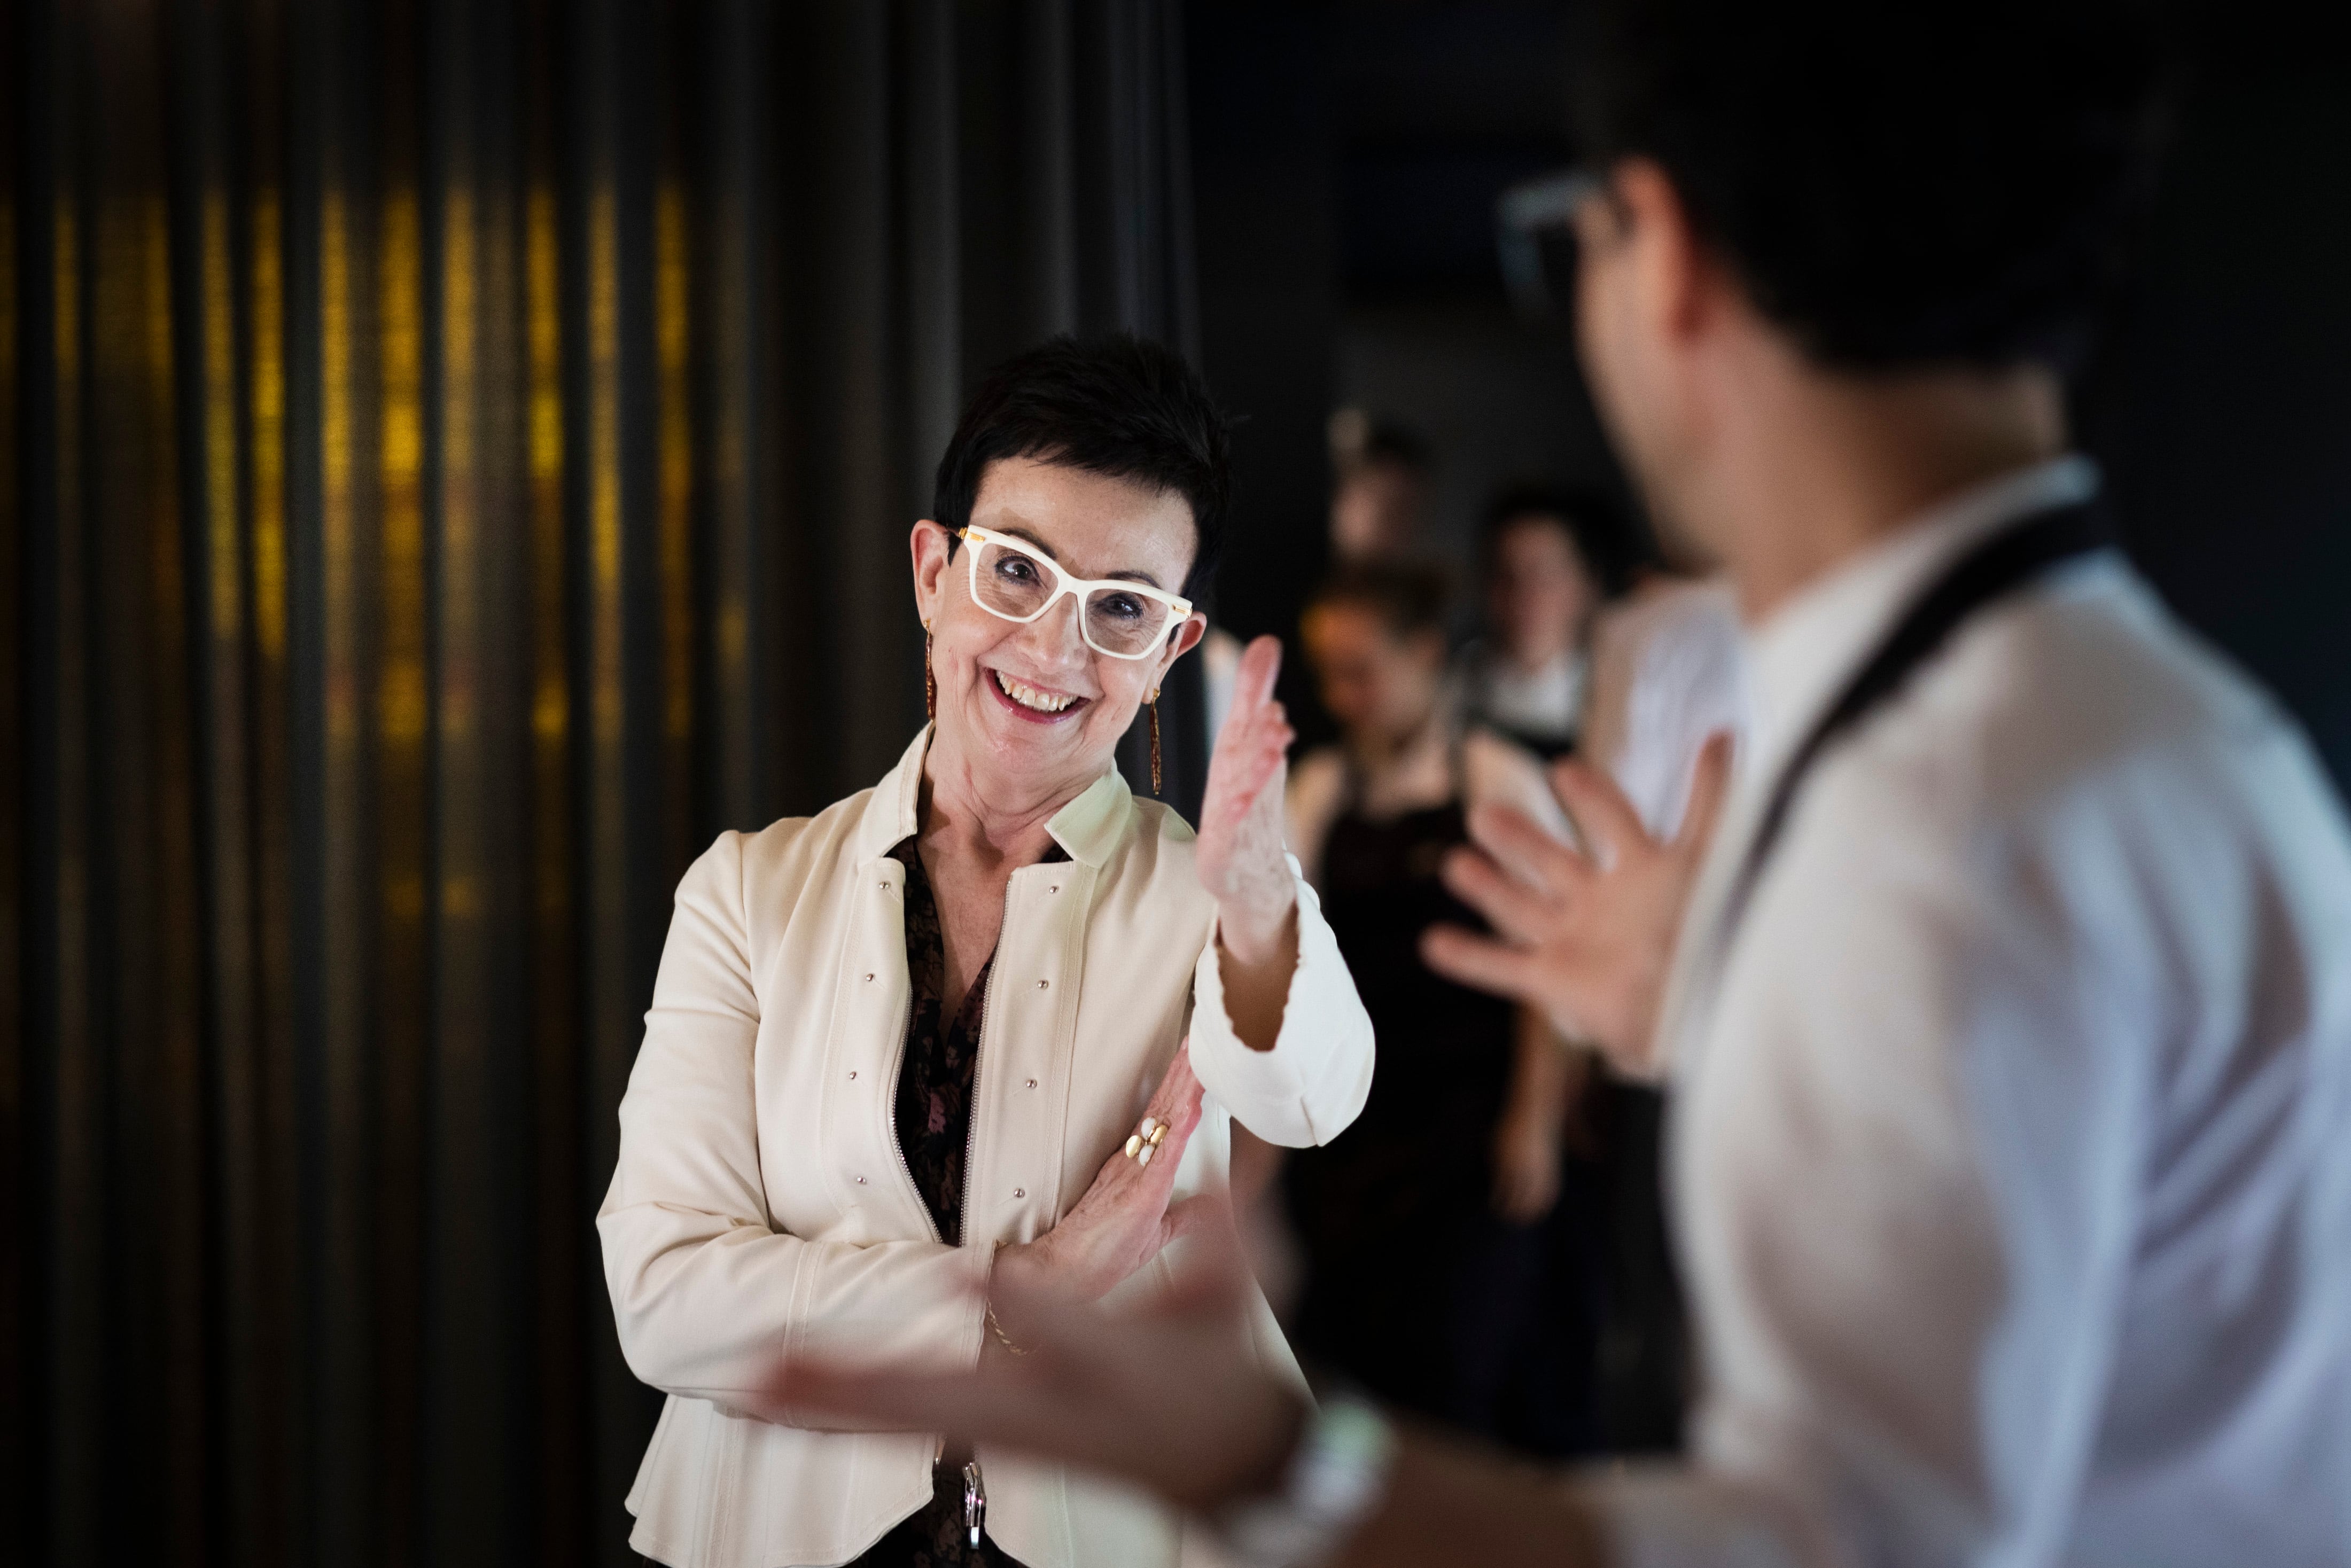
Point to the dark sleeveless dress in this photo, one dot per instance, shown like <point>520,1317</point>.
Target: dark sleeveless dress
<point>1415,1289</point>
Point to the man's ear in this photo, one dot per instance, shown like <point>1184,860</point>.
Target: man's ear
<point>928,545</point>
<point>1678,273</point>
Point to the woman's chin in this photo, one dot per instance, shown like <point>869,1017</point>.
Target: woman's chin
<point>1021,742</point>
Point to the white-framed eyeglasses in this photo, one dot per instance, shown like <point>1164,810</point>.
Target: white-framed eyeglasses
<point>1012,578</point>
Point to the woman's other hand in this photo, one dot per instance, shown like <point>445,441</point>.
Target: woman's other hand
<point>1124,1218</point>
<point>1239,856</point>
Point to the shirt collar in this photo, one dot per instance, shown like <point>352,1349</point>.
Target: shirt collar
<point>1801,656</point>
<point>1088,828</point>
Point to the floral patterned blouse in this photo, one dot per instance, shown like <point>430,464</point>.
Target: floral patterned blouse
<point>933,1112</point>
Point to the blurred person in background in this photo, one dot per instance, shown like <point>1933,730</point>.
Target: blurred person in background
<point>1379,499</point>
<point>2010,1013</point>
<point>908,1047</point>
<point>1551,561</point>
<point>1379,511</point>
<point>1424,1232</point>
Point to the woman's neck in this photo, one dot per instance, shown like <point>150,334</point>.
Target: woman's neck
<point>1376,752</point>
<point>990,819</point>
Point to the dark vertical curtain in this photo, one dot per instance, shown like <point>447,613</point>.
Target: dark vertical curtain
<point>458,457</point>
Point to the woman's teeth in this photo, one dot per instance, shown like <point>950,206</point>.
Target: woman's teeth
<point>1028,697</point>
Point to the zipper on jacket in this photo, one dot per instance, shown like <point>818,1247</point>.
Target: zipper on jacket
<point>975,1500</point>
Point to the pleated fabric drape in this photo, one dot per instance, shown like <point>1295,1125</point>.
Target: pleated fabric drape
<point>458,457</point>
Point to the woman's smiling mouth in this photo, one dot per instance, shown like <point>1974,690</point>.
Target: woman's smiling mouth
<point>1035,704</point>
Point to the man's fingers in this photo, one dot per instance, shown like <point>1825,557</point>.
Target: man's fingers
<point>1602,811</point>
<point>967,1407</point>
<point>1480,962</point>
<point>1517,841</point>
<point>1509,906</point>
<point>1710,787</point>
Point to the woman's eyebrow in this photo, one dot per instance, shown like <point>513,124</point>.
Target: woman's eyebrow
<point>1015,531</point>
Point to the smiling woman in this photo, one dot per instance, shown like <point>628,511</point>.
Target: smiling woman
<point>986,1023</point>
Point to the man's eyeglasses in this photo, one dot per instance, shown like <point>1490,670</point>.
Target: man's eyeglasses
<point>1535,232</point>
<point>1123,620</point>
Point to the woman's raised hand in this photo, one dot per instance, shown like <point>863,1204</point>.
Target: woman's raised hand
<point>1125,1216</point>
<point>1239,856</point>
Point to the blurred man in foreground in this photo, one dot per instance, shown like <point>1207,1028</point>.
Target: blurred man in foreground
<point>2010,1011</point>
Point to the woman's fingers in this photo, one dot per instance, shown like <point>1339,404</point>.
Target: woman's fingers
<point>1177,1085</point>
<point>1260,666</point>
<point>1259,754</point>
<point>1191,1216</point>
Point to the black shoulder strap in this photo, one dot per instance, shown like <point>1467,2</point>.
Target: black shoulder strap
<point>2005,561</point>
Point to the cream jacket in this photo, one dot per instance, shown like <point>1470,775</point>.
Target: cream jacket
<point>762,1216</point>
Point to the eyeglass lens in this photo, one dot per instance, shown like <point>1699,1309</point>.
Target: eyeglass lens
<point>1016,585</point>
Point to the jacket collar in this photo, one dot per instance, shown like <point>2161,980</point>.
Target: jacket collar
<point>1089,827</point>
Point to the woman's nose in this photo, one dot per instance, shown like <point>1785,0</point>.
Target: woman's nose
<point>1056,638</point>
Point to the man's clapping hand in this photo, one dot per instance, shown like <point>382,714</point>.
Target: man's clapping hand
<point>1585,936</point>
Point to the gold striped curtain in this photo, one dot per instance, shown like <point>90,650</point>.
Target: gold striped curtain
<point>458,457</point>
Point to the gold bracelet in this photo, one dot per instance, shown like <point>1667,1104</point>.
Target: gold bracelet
<point>1002,1338</point>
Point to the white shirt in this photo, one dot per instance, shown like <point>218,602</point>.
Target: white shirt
<point>2012,1169</point>
<point>1545,703</point>
<point>1668,670</point>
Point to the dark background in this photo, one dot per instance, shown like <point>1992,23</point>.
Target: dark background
<point>1346,166</point>
<point>456,457</point>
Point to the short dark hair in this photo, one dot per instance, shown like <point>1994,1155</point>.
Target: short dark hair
<point>1612,549</point>
<point>1408,596</point>
<point>1894,185</point>
<point>1113,404</point>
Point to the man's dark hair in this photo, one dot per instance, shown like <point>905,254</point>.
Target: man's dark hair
<point>1408,596</point>
<point>1113,404</point>
<point>1612,549</point>
<point>1894,185</point>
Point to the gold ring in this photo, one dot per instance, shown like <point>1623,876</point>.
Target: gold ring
<point>1157,1132</point>
<point>1134,1143</point>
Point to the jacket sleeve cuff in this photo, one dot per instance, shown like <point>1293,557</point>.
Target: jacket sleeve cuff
<point>1312,1084</point>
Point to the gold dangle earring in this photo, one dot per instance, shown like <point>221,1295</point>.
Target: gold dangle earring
<point>930,680</point>
<point>1154,739</point>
